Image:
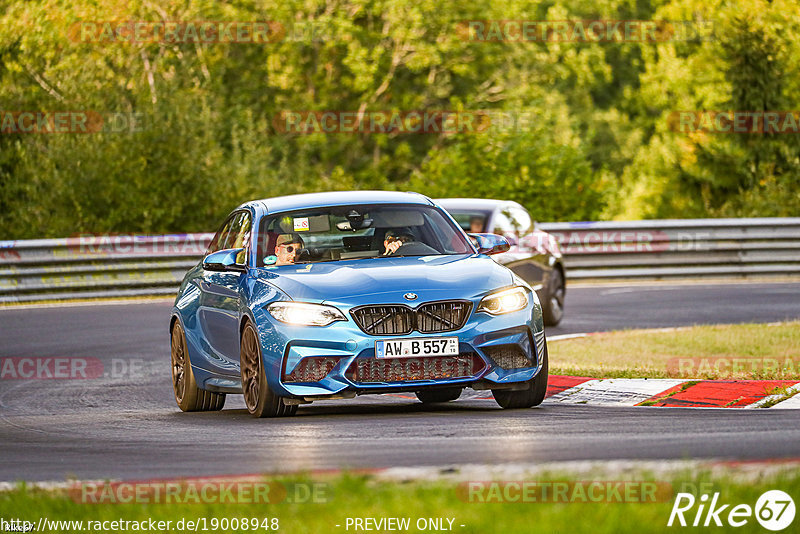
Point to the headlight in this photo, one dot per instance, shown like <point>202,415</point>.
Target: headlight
<point>303,313</point>
<point>505,301</point>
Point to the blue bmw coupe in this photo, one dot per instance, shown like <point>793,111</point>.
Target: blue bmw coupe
<point>332,295</point>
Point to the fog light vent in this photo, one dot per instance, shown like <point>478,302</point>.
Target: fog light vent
<point>312,369</point>
<point>508,356</point>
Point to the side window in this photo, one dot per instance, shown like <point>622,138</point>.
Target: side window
<point>236,228</point>
<point>242,238</point>
<point>520,220</point>
<point>502,223</point>
<point>235,233</point>
<point>218,243</point>
<point>230,237</point>
<point>243,235</point>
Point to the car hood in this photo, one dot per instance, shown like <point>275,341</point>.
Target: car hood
<point>380,280</point>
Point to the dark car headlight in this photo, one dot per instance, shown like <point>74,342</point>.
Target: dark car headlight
<point>504,301</point>
<point>305,313</point>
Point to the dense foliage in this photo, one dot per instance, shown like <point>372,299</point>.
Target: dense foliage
<point>599,145</point>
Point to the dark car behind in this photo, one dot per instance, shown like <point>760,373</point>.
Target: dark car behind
<point>534,255</point>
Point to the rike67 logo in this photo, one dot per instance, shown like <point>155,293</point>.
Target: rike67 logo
<point>774,510</point>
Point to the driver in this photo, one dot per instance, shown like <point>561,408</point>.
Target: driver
<point>286,248</point>
<point>476,224</point>
<point>394,240</point>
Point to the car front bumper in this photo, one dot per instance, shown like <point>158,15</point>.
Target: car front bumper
<point>343,347</point>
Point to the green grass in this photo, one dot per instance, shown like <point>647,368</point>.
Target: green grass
<point>363,496</point>
<point>782,393</point>
<point>747,352</point>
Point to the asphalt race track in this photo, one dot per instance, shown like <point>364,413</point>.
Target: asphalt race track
<point>596,309</point>
<point>126,424</point>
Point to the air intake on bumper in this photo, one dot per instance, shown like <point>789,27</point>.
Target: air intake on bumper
<point>372,370</point>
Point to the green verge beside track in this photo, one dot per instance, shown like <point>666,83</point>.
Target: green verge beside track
<point>365,496</point>
<point>741,352</point>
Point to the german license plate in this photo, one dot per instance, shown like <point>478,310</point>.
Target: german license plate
<point>416,348</point>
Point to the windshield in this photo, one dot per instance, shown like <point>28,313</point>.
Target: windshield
<point>355,232</point>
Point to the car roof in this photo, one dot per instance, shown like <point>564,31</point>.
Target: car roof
<point>338,198</point>
<point>485,204</point>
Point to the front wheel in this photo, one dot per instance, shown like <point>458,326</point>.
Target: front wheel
<point>260,400</point>
<point>189,397</point>
<point>533,395</point>
<point>553,303</point>
<point>431,396</point>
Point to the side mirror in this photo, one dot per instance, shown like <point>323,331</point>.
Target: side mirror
<point>224,260</point>
<point>491,243</point>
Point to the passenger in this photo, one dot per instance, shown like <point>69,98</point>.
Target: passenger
<point>286,248</point>
<point>394,240</point>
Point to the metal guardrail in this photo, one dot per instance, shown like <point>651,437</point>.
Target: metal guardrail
<point>97,266</point>
<point>117,266</point>
<point>680,248</point>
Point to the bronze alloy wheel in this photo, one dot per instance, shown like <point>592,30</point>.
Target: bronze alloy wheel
<point>178,363</point>
<point>260,400</point>
<point>250,369</point>
<point>189,397</point>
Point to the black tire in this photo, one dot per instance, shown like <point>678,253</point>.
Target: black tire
<point>553,303</point>
<point>260,400</point>
<point>189,397</point>
<point>431,396</point>
<point>533,395</point>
